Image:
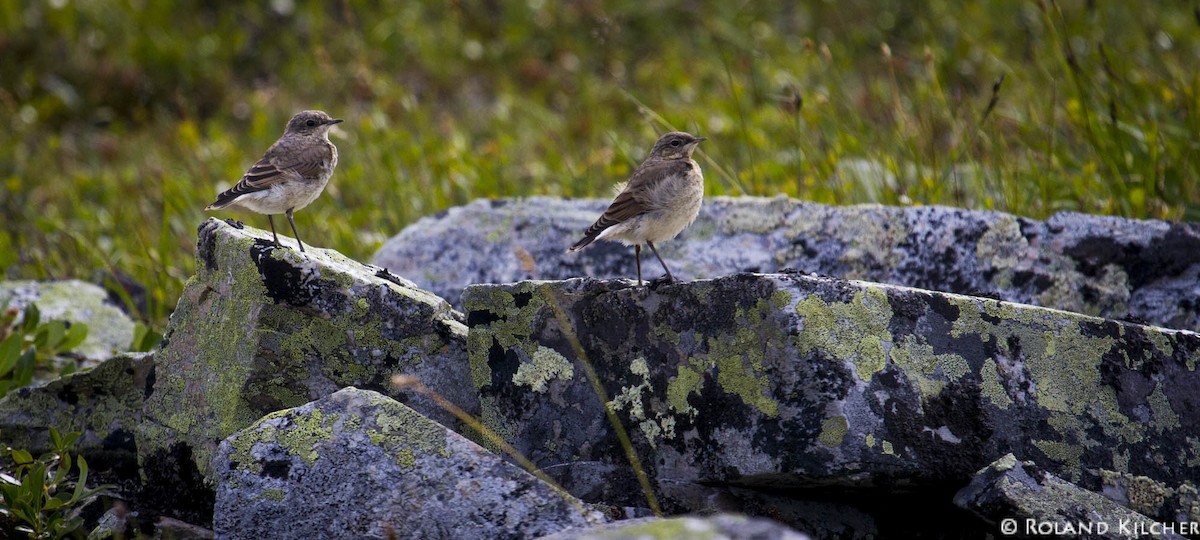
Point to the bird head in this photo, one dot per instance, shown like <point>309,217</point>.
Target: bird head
<point>675,145</point>
<point>311,122</point>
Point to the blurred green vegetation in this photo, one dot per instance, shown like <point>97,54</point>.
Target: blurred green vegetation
<point>121,120</point>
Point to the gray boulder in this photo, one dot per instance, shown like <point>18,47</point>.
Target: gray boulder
<point>260,329</point>
<point>1111,267</point>
<point>110,330</point>
<point>715,527</point>
<point>357,464</point>
<point>104,404</point>
<point>793,382</point>
<point>1022,499</point>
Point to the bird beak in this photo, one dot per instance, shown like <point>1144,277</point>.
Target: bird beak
<point>335,121</point>
<point>701,139</point>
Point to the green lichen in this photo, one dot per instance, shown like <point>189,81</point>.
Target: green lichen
<point>511,330</point>
<point>888,449</point>
<point>872,240</point>
<point>1003,247</point>
<point>833,431</point>
<point>931,371</point>
<point>305,432</point>
<point>295,431</point>
<point>990,385</point>
<point>403,434</point>
<point>731,356</point>
<point>276,495</point>
<point>1066,455</point>
<point>547,365</point>
<point>653,426</point>
<point>869,440</point>
<point>1145,495</point>
<point>854,331</point>
<point>1164,416</point>
<point>688,380</point>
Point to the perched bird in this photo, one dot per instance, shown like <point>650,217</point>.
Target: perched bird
<point>661,198</point>
<point>292,173</point>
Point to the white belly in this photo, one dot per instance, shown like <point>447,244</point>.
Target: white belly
<point>277,199</point>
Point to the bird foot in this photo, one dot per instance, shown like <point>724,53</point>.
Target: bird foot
<point>660,281</point>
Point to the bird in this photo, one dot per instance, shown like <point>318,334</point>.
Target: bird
<point>291,174</point>
<point>660,199</point>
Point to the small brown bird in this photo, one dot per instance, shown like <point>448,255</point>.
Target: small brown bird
<point>662,196</point>
<point>291,174</point>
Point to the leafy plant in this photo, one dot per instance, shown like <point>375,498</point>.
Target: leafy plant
<point>31,345</point>
<point>145,339</point>
<point>39,499</point>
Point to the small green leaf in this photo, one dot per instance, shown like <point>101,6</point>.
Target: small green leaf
<point>75,336</point>
<point>56,439</point>
<point>70,438</point>
<point>32,317</point>
<point>21,457</point>
<point>10,351</point>
<point>55,332</point>
<point>81,484</point>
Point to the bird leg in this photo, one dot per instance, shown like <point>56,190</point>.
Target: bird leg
<point>637,256</point>
<point>293,222</point>
<point>660,260</point>
<point>271,220</point>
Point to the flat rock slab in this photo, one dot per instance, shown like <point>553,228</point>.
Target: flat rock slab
<point>1024,500</point>
<point>261,328</point>
<point>1112,267</point>
<point>358,464</point>
<point>790,381</point>
<point>104,404</point>
<point>716,527</point>
<point>110,330</point>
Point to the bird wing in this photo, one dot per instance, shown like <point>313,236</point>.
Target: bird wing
<point>277,166</point>
<point>632,201</point>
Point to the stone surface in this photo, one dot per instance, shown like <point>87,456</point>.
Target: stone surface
<point>1106,266</point>
<point>110,330</point>
<point>104,404</point>
<point>357,464</point>
<point>1023,499</point>
<point>794,382</point>
<point>717,527</point>
<point>260,329</point>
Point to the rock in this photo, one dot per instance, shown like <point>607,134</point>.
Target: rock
<point>1112,267</point>
<point>1024,499</point>
<point>793,382</point>
<point>357,464</point>
<point>104,404</point>
<point>717,527</point>
<point>260,329</point>
<point>110,330</point>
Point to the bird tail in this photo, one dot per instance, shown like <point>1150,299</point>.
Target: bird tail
<point>592,233</point>
<point>223,200</point>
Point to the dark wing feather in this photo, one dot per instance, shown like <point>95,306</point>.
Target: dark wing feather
<point>274,167</point>
<point>631,201</point>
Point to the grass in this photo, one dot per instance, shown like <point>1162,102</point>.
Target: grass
<point>122,120</point>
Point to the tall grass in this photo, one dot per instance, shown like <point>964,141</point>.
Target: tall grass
<point>120,121</point>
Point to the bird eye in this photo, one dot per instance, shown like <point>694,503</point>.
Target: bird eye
<point>311,123</point>
<point>676,142</point>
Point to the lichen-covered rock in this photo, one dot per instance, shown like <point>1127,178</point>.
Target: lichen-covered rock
<point>1023,500</point>
<point>110,330</point>
<point>357,464</point>
<point>104,404</point>
<point>716,527</point>
<point>260,329</point>
<point>790,381</point>
<point>1106,266</point>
